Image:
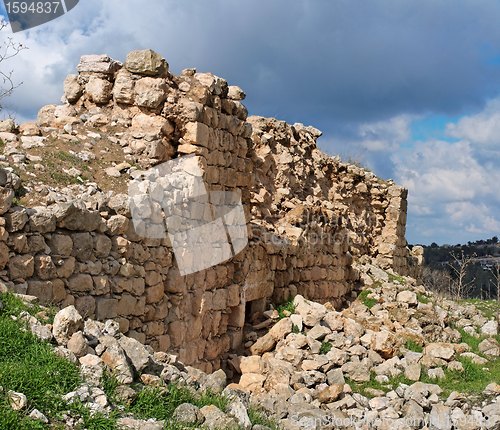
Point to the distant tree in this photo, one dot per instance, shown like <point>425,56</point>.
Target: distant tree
<point>436,280</point>
<point>8,49</point>
<point>434,245</point>
<point>460,286</point>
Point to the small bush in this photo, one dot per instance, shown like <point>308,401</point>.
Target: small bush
<point>367,301</point>
<point>326,347</point>
<point>422,298</point>
<point>413,346</point>
<point>258,418</point>
<point>288,307</point>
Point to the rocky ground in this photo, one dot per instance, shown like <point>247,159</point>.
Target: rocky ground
<point>398,357</point>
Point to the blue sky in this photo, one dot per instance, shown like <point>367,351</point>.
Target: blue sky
<point>409,88</point>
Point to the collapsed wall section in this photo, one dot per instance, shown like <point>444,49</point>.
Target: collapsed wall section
<point>308,215</point>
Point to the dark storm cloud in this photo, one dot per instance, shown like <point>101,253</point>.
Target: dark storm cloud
<point>323,62</point>
<point>350,61</point>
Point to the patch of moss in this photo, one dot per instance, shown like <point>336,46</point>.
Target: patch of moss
<point>286,309</point>
<point>367,301</point>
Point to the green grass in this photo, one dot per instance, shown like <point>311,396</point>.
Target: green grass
<point>325,348</point>
<point>396,278</point>
<point>96,420</point>
<point>15,306</point>
<point>287,306</point>
<point>472,381</point>
<point>11,420</point>
<point>422,298</point>
<point>258,418</point>
<point>489,308</point>
<point>470,340</point>
<point>160,403</point>
<point>30,366</point>
<point>413,346</point>
<point>109,384</point>
<point>361,387</point>
<point>367,301</point>
<point>295,329</point>
<point>54,161</point>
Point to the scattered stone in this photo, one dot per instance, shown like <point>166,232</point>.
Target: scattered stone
<point>490,328</point>
<point>66,323</point>
<point>35,414</point>
<point>17,401</point>
<point>187,414</point>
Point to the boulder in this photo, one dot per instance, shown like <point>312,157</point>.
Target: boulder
<point>123,90</point>
<point>136,352</point>
<point>150,92</point>
<point>187,414</point>
<point>66,323</point>
<point>490,328</point>
<point>312,313</point>
<point>97,64</point>
<point>72,89</point>
<point>440,350</point>
<point>146,62</point>
<point>99,90</point>
<point>215,419</point>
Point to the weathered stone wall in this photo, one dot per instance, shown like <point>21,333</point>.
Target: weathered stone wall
<point>309,215</point>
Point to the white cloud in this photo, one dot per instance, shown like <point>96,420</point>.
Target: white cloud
<point>385,135</point>
<point>481,128</point>
<point>452,193</point>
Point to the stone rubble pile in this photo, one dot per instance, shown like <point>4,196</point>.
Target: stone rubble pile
<point>305,370</point>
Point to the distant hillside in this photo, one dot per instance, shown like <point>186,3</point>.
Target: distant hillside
<point>485,256</point>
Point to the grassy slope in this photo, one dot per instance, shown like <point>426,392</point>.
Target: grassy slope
<point>29,366</point>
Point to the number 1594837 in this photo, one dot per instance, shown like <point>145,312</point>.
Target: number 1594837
<point>37,7</point>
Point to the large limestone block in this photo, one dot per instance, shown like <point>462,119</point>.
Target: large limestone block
<point>21,267</point>
<point>123,90</point>
<point>99,64</point>
<point>146,62</point>
<point>74,217</point>
<point>72,89</point>
<point>150,92</point>
<point>99,90</point>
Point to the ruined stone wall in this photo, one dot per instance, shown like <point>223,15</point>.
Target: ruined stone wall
<point>309,215</point>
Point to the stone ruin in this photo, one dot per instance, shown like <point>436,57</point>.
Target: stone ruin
<point>309,216</point>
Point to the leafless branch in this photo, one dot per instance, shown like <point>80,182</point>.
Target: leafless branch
<point>8,49</point>
<point>495,271</point>
<point>460,287</point>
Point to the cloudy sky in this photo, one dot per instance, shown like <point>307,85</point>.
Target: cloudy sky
<point>410,89</point>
